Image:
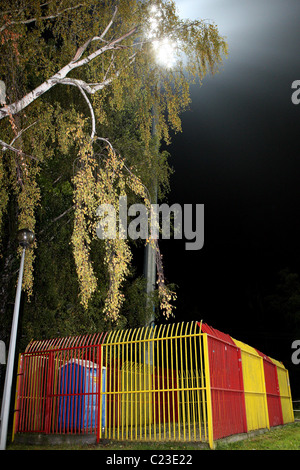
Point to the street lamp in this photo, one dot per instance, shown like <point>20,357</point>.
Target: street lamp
<point>25,239</point>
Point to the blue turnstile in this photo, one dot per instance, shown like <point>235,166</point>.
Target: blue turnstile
<point>78,395</point>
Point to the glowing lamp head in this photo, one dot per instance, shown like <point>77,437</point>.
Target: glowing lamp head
<point>164,48</point>
<point>165,52</point>
<point>25,237</point>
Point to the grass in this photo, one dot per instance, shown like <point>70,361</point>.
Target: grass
<point>280,438</point>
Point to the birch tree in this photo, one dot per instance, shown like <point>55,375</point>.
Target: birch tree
<point>68,68</point>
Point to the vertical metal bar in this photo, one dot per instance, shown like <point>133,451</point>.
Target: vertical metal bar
<point>44,388</point>
<point>153,382</point>
<point>139,376</point>
<point>35,408</point>
<point>197,378</point>
<point>149,366</point>
<point>41,392</point>
<point>124,397</point>
<point>183,383</point>
<point>110,396</point>
<point>22,420</point>
<point>241,381</point>
<point>129,397</point>
<point>188,385</point>
<point>113,389</point>
<point>72,388</point>
<point>108,384</point>
<point>264,392</point>
<point>173,414</point>
<point>94,389</point>
<point>55,400</point>
<point>22,404</point>
<point>278,390</point>
<point>192,381</point>
<point>98,430</point>
<point>158,384</point>
<point>60,399</point>
<point>163,381</point>
<point>168,380</point>
<point>143,391</point>
<point>66,399</point>
<point>134,362</point>
<point>208,392</point>
<point>17,400</point>
<point>48,393</point>
<point>88,378</point>
<point>179,382</point>
<point>32,394</point>
<point>22,394</point>
<point>203,378</point>
<point>120,385</point>
<point>83,391</point>
<point>28,393</point>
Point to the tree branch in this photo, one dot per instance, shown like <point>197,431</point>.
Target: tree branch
<point>76,83</point>
<point>60,77</point>
<point>57,218</point>
<point>6,146</point>
<point>81,49</point>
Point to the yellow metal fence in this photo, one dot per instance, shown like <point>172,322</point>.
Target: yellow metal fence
<point>155,384</point>
<point>254,388</point>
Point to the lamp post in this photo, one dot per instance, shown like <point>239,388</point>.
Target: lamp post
<point>25,238</point>
<point>164,50</point>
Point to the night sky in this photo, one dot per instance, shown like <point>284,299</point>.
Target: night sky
<point>239,155</point>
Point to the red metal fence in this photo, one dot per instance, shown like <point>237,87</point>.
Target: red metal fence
<point>58,387</point>
<point>227,389</point>
<point>272,390</point>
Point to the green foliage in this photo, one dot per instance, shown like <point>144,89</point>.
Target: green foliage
<point>58,167</point>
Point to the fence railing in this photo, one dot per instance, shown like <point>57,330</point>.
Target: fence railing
<point>181,381</point>
<point>155,385</point>
<point>296,408</point>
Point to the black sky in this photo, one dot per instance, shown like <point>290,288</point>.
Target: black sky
<point>239,155</point>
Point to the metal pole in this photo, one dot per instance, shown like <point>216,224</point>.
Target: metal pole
<point>10,361</point>
<point>150,255</point>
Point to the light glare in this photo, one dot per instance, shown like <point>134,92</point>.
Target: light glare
<point>165,52</point>
<point>164,48</point>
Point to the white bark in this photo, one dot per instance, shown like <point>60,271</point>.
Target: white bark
<point>77,61</point>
